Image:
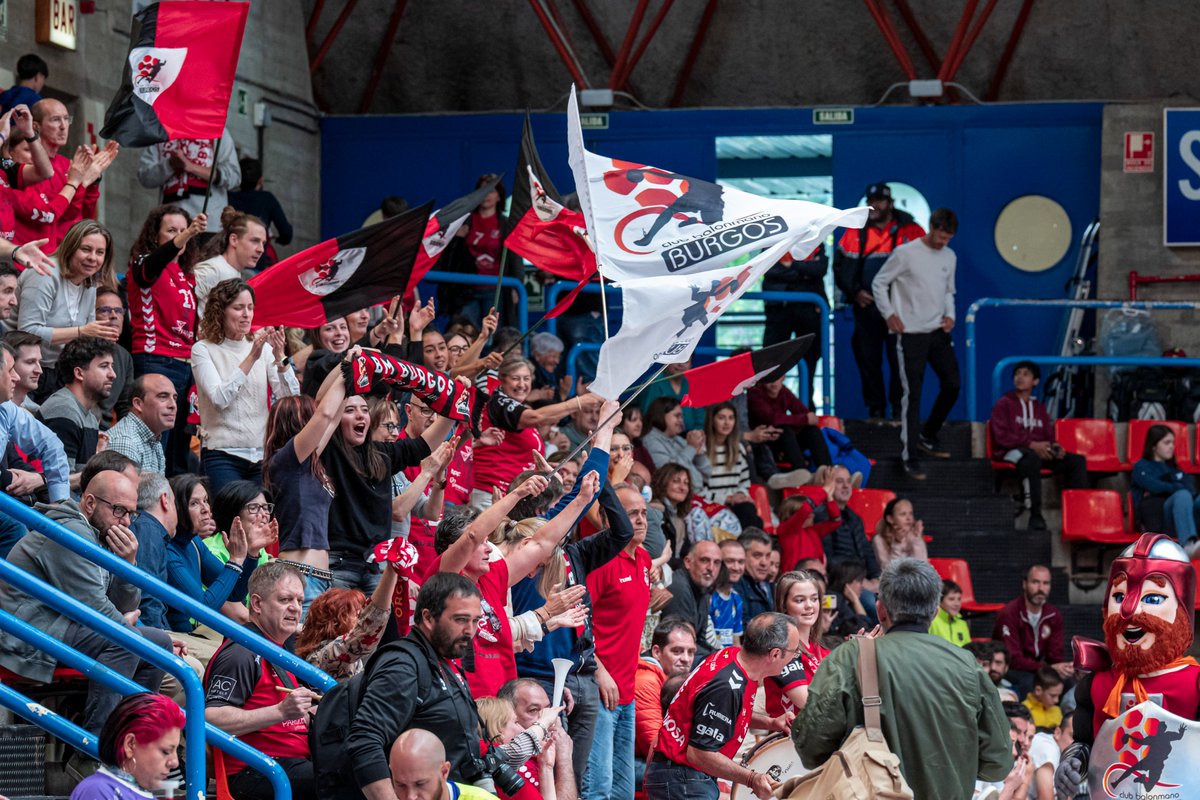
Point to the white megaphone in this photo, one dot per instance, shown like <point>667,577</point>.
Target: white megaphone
<point>561,667</point>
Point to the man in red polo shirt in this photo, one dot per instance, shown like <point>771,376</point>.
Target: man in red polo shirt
<point>261,704</point>
<point>707,721</point>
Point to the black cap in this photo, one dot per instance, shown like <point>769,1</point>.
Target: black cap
<point>878,191</point>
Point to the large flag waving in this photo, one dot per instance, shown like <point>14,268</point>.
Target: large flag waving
<point>179,74</point>
<point>545,232</point>
<point>725,379</point>
<point>669,240</point>
<point>441,228</point>
<point>337,276</point>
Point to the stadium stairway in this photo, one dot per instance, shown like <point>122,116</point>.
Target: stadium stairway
<point>968,519</point>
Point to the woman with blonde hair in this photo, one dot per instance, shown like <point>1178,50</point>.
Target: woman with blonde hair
<point>501,729</point>
<point>60,306</point>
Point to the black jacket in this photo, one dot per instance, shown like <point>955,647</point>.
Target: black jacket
<point>849,542</point>
<point>756,598</point>
<point>691,603</point>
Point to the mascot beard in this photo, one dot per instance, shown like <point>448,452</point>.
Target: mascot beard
<point>1146,643</point>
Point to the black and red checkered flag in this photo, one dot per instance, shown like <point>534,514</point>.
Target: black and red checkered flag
<point>356,270</point>
<point>725,379</point>
<point>450,398</point>
<point>179,74</point>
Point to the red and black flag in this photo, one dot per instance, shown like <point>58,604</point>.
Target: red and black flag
<point>542,230</point>
<point>719,381</point>
<point>331,279</point>
<point>178,78</point>
<point>441,229</point>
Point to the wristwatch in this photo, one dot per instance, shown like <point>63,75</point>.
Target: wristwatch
<point>284,363</point>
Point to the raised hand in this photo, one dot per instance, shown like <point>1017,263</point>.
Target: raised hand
<point>30,256</point>
<point>420,317</point>
<point>560,601</point>
<point>533,486</point>
<point>608,408</point>
<point>490,323</point>
<point>588,486</point>
<point>122,542</point>
<point>237,541</point>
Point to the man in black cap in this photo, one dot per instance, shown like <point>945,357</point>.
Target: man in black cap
<point>859,257</point>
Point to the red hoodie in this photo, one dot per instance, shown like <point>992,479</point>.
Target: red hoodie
<point>1028,649</point>
<point>1016,422</point>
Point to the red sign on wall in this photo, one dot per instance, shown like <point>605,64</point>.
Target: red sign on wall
<point>1139,151</point>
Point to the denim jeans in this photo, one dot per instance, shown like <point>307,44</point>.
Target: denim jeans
<point>222,468</point>
<point>312,588</point>
<point>609,773</point>
<point>177,442</point>
<point>666,780</point>
<point>11,532</point>
<point>1180,511</point>
<point>350,571</point>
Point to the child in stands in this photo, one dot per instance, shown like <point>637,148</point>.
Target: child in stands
<point>1042,702</point>
<point>725,609</point>
<point>949,623</point>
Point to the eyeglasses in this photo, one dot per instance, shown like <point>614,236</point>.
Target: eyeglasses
<point>458,349</point>
<point>120,512</point>
<point>424,411</point>
<point>259,508</point>
<point>110,311</point>
<point>391,427</point>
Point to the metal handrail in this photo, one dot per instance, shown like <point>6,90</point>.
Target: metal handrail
<point>94,670</point>
<point>555,289</point>
<point>1007,363</point>
<point>999,302</point>
<point>593,347</point>
<point>435,276</point>
<point>194,701</point>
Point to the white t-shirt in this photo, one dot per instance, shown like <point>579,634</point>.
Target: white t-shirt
<point>1042,750</point>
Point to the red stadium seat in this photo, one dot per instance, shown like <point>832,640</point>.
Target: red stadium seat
<point>829,421</point>
<point>1094,515</point>
<point>61,675</point>
<point>1095,440</point>
<point>957,570</point>
<point>1138,428</point>
<point>219,775</point>
<point>869,504</point>
<point>762,505</point>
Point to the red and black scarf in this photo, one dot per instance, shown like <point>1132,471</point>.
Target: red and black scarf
<point>448,397</point>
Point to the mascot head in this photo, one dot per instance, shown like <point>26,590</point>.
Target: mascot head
<point>1148,610</point>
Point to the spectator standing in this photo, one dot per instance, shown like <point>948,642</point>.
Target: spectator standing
<point>1164,496</point>
<point>262,704</point>
<point>233,369</point>
<point>60,306</point>
<point>483,234</point>
<point>52,125</point>
<point>239,247</point>
<point>755,586</point>
<point>800,441</point>
<point>940,714</point>
<point>162,313</point>
<point>109,307</point>
<point>858,259</point>
<point>949,623</point>
<point>792,319</point>
<point>86,372</point>
<point>900,534</point>
<point>37,207</point>
<point>1023,431</point>
<point>666,443</point>
<point>708,720</point>
<point>914,292</point>
<point>252,199</point>
<point>184,168</point>
<point>139,433</point>
<point>1032,631</point>
<point>32,72</point>
<point>691,590</point>
<point>672,652</point>
<point>419,416</point>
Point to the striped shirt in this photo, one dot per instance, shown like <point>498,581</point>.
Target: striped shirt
<point>724,480</point>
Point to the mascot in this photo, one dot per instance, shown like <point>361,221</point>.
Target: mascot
<point>1139,700</point>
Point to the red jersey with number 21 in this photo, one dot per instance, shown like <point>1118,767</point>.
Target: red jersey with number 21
<point>711,710</point>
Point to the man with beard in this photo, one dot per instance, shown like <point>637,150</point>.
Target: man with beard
<point>1147,631</point>
<point>85,368</point>
<point>691,590</point>
<point>1032,630</point>
<point>415,684</point>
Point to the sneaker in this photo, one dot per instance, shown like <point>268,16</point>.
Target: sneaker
<point>789,480</point>
<point>930,446</point>
<point>1037,522</point>
<point>913,470</point>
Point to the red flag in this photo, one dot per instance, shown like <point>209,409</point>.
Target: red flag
<point>442,227</point>
<point>179,74</point>
<point>729,377</point>
<point>331,279</point>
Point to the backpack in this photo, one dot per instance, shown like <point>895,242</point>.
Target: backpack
<point>864,768</point>
<point>1142,393</point>
<point>335,714</point>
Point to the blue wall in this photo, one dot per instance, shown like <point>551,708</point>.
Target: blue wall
<point>974,159</point>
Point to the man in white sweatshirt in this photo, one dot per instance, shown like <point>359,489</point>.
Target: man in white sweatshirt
<point>914,291</point>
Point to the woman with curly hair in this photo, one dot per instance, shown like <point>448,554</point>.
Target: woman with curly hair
<point>343,628</point>
<point>233,370</point>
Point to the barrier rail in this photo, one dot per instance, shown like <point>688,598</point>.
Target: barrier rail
<point>1006,364</point>
<point>143,648</point>
<point>555,289</point>
<point>1000,302</point>
<point>487,280</point>
<point>592,347</point>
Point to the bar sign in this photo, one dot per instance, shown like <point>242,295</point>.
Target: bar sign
<point>833,116</point>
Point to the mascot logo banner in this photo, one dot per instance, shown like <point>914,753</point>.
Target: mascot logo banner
<point>1147,753</point>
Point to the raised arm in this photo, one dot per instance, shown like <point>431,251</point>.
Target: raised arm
<point>523,560</point>
<point>317,432</point>
<point>456,556</point>
<point>534,417</point>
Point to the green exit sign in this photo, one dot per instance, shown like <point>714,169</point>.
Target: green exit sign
<point>595,121</point>
<point>833,116</point>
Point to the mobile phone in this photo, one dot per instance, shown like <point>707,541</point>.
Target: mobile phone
<point>829,601</point>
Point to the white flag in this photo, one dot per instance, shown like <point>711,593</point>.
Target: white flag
<point>668,240</point>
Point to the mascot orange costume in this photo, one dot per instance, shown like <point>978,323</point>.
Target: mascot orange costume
<point>1142,694</point>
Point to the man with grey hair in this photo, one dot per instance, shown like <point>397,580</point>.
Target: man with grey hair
<point>950,727</point>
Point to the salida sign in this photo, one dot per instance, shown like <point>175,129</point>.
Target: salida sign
<point>56,21</point>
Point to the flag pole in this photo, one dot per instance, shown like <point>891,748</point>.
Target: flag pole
<point>211,175</point>
<point>500,279</point>
<point>603,298</point>
<point>524,336</point>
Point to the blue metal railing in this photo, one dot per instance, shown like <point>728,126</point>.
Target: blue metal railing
<point>1005,365</point>
<point>556,289</point>
<point>485,280</point>
<point>1000,302</point>
<point>94,670</point>
<point>593,347</point>
<point>143,648</point>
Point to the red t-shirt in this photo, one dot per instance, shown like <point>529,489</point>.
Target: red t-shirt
<point>483,243</point>
<point>1178,691</point>
<point>498,465</point>
<point>163,315</point>
<point>421,531</point>
<point>459,474</point>
<point>798,672</point>
<point>237,677</point>
<point>620,593</point>
<point>711,711</point>
<point>43,213</point>
<point>9,177</point>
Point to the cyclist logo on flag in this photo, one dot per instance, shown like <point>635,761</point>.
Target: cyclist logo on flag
<point>662,197</point>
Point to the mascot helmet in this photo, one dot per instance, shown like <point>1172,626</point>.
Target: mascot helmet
<point>1154,554</point>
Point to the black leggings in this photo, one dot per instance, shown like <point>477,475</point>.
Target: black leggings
<point>792,443</point>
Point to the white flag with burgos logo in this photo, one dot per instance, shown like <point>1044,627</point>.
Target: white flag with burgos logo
<point>670,242</point>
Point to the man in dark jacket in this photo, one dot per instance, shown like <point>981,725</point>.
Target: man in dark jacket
<point>791,320</point>
<point>395,698</point>
<point>849,541</point>
<point>757,591</point>
<point>691,590</point>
